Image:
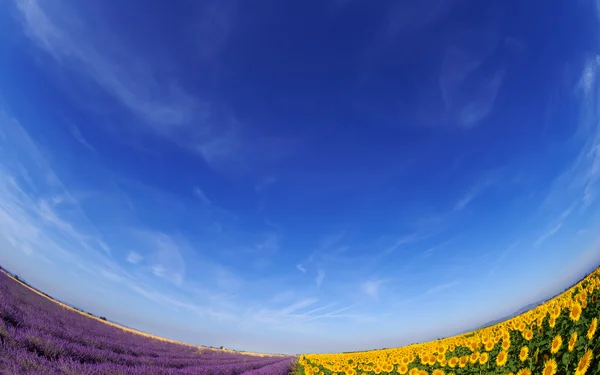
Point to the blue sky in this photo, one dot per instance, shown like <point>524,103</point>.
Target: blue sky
<point>299,176</point>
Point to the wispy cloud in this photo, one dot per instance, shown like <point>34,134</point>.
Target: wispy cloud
<point>464,60</point>
<point>79,137</point>
<point>270,244</point>
<point>441,287</point>
<point>404,240</point>
<point>501,257</point>
<point>198,193</point>
<point>134,257</point>
<point>431,250</point>
<point>161,104</point>
<point>137,89</point>
<point>320,277</point>
<point>300,268</point>
<point>371,288</point>
<point>549,233</point>
<point>579,182</point>
<point>477,189</point>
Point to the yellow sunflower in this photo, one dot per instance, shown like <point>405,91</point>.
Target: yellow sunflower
<point>550,367</point>
<point>501,358</point>
<point>556,344</point>
<point>552,322</point>
<point>452,362</point>
<point>584,363</point>
<point>575,313</point>
<point>527,334</point>
<point>414,371</point>
<point>592,329</point>
<point>423,372</point>
<point>483,358</point>
<point>524,371</point>
<point>437,372</point>
<point>524,353</point>
<point>506,344</point>
<point>402,369</point>
<point>572,341</point>
<point>474,357</point>
<point>489,346</point>
<point>464,360</point>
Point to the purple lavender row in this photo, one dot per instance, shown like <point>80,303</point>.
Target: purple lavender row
<point>37,336</point>
<point>283,366</point>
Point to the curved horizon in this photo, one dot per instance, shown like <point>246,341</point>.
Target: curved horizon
<point>300,177</point>
<point>104,320</point>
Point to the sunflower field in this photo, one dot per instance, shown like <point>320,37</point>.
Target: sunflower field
<point>557,337</point>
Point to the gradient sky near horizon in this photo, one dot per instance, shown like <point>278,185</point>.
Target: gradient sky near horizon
<point>313,176</point>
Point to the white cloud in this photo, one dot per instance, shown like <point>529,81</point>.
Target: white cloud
<point>300,268</point>
<point>475,191</point>
<point>580,181</point>
<point>134,257</point>
<point>79,137</point>
<point>549,233</point>
<point>405,240</point>
<point>468,90</point>
<point>431,250</point>
<point>198,193</point>
<point>135,88</point>
<point>164,252</point>
<point>320,277</point>
<point>269,245</point>
<point>441,287</point>
<point>163,106</point>
<point>332,240</point>
<point>371,288</point>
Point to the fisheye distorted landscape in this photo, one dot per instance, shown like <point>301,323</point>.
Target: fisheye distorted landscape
<point>333,187</point>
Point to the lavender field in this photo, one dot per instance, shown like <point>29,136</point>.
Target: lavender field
<point>38,336</point>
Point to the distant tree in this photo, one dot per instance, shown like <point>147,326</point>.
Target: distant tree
<point>221,347</point>
<point>17,277</point>
<point>103,318</point>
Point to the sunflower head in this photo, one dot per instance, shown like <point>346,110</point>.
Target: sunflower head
<point>556,344</point>
<point>501,358</point>
<point>584,363</point>
<point>592,329</point>
<point>550,367</point>
<point>524,371</point>
<point>474,357</point>
<point>572,341</point>
<point>483,358</point>
<point>452,362</point>
<point>524,353</point>
<point>575,313</point>
<point>506,343</point>
<point>437,372</point>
